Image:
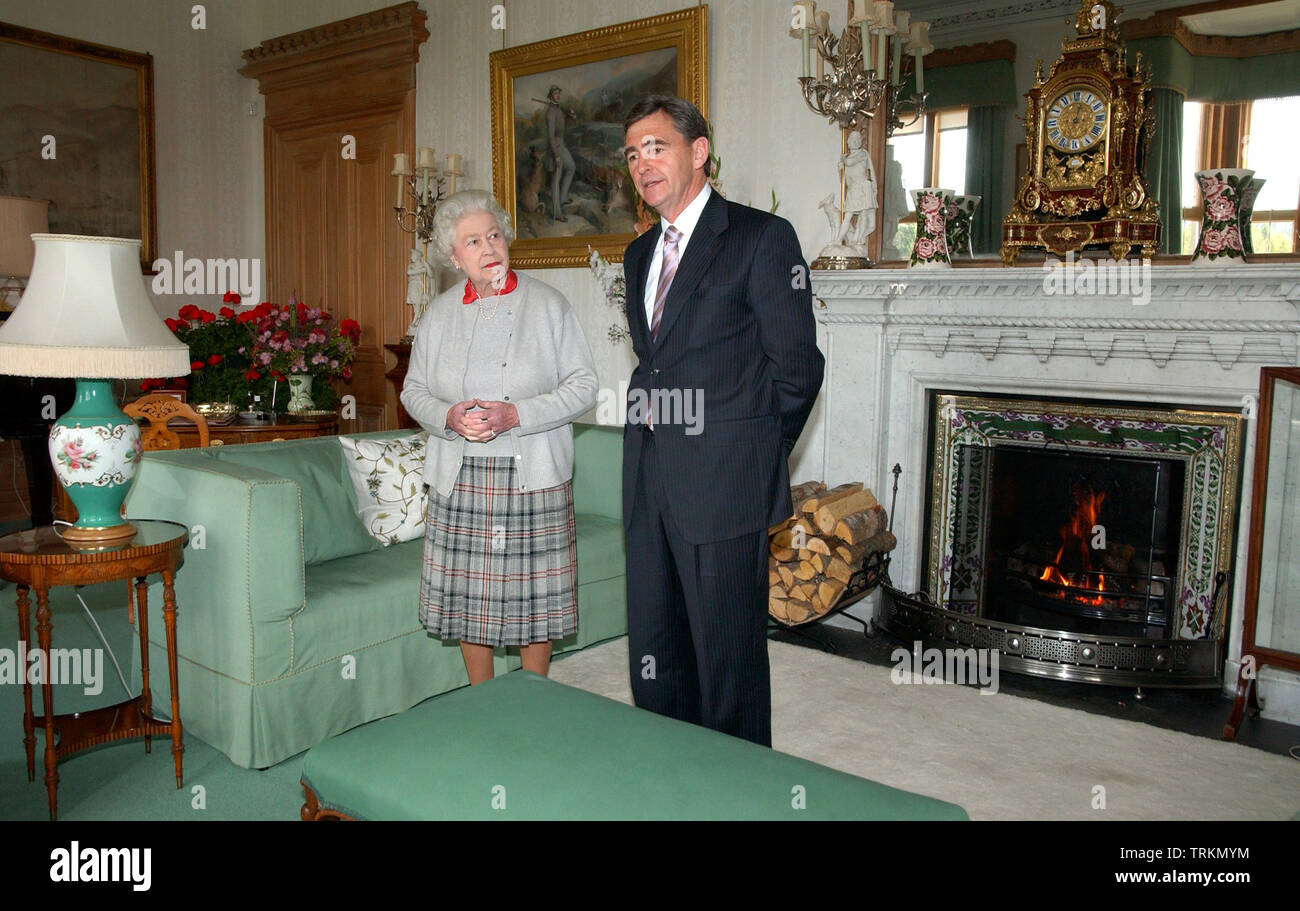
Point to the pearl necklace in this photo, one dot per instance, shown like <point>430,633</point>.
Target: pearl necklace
<point>483,313</point>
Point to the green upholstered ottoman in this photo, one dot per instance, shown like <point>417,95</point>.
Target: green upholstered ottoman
<point>524,747</point>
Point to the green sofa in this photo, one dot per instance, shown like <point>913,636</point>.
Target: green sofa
<point>294,624</point>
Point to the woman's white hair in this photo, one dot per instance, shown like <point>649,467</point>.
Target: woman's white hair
<point>452,209</point>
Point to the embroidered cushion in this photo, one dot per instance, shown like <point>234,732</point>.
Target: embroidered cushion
<point>387,480</point>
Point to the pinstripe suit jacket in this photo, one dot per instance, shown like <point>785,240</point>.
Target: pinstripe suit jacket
<point>738,337</point>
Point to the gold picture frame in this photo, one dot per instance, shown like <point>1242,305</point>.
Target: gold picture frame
<point>78,120</point>
<point>601,73</point>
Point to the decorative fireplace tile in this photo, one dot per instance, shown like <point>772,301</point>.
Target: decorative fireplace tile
<point>967,428</point>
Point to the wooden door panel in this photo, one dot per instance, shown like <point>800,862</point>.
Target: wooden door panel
<point>330,227</point>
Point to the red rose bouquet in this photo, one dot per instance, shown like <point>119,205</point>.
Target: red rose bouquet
<point>217,365</point>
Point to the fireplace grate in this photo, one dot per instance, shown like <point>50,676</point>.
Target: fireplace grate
<point>1129,597</point>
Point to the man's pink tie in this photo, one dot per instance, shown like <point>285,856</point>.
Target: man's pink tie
<point>666,273</point>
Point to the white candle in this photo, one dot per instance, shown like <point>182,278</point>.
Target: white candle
<point>807,67</point>
<point>866,47</point>
<point>880,55</point>
<point>920,46</point>
<point>425,158</point>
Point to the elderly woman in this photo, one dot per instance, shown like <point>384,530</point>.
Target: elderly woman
<point>499,369</point>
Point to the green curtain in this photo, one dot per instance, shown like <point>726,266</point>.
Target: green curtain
<point>1164,167</point>
<point>1217,79</point>
<point>985,142</point>
<point>988,82</point>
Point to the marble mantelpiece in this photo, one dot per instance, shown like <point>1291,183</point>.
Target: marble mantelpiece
<point>891,336</point>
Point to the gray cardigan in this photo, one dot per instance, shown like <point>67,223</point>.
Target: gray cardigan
<point>549,377</point>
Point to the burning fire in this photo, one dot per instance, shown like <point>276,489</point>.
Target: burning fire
<point>1076,537</point>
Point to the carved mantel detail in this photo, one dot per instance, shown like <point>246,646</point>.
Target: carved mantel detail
<point>1249,316</point>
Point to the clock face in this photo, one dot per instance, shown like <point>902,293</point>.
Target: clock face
<point>1076,120</point>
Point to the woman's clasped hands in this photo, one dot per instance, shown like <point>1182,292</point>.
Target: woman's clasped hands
<point>481,422</point>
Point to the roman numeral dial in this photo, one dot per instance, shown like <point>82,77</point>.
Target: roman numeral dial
<point>1076,120</point>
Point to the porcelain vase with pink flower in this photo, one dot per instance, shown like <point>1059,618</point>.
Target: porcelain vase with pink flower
<point>1223,190</point>
<point>930,249</point>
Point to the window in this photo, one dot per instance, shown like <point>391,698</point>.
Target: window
<point>1265,132</point>
<point>931,153</point>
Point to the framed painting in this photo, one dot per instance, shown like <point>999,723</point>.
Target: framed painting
<point>557,130</point>
<point>76,126</point>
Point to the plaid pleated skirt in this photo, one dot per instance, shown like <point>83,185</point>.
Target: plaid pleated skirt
<point>500,565</point>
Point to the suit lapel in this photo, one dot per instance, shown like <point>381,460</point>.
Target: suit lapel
<point>634,293</point>
<point>700,250</point>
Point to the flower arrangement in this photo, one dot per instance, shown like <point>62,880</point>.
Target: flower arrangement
<point>236,355</point>
<point>215,341</point>
<point>296,339</point>
<point>614,285</point>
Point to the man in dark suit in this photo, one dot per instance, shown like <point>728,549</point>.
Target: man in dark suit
<point>727,372</point>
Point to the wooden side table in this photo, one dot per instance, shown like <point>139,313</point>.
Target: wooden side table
<point>236,433</point>
<point>39,559</point>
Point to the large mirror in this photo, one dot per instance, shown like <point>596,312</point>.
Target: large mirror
<point>1225,90</point>
<point>1271,629</point>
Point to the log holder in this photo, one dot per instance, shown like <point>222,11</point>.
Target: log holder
<point>865,580</point>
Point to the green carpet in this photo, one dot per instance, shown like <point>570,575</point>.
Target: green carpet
<point>119,781</point>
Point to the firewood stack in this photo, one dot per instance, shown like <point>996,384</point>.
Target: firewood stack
<point>815,552</point>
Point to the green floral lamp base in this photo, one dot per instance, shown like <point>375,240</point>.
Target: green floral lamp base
<point>95,449</point>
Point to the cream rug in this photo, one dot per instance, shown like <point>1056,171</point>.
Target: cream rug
<point>998,756</point>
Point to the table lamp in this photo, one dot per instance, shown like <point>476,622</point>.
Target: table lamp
<point>20,218</point>
<point>87,316</point>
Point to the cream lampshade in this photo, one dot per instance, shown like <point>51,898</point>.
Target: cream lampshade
<point>20,218</point>
<point>86,315</point>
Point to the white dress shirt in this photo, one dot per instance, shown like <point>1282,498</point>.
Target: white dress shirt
<point>685,223</point>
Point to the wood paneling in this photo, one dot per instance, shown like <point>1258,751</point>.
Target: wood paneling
<point>330,232</point>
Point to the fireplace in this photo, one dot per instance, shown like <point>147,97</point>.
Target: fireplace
<point>1084,541</point>
<point>892,338</point>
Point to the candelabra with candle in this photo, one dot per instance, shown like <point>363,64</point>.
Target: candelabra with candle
<point>424,187</point>
<point>864,75</point>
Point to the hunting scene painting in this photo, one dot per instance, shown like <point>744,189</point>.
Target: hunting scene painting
<point>557,130</point>
<point>570,177</point>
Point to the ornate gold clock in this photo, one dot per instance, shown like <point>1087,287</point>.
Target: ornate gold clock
<point>1088,126</point>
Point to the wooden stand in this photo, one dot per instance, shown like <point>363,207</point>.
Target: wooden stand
<point>39,559</point>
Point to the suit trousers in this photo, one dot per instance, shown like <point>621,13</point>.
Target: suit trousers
<point>696,616</point>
